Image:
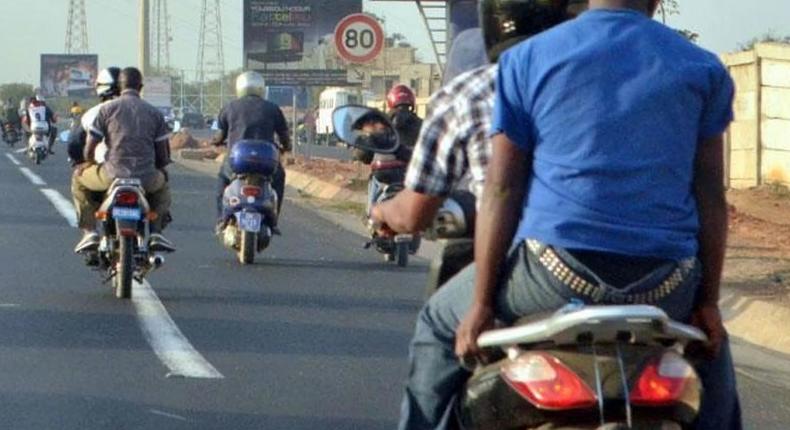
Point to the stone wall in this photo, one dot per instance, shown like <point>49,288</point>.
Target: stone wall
<point>758,142</point>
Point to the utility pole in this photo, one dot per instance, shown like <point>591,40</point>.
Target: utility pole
<point>211,58</point>
<point>76,28</point>
<point>143,59</point>
<point>160,40</point>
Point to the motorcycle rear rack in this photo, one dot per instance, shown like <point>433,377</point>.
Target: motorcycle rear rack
<point>596,325</point>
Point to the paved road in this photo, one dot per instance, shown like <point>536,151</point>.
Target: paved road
<point>313,336</point>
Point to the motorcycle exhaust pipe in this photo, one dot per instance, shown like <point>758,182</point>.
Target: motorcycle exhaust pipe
<point>156,261</point>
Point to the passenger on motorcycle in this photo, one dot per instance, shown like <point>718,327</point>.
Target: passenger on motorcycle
<point>401,103</point>
<point>136,136</point>
<point>251,116</point>
<point>39,114</point>
<point>618,194</point>
<point>107,88</point>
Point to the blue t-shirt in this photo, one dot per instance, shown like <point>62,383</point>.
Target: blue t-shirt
<point>611,107</point>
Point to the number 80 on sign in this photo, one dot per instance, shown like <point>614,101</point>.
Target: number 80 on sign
<point>359,38</point>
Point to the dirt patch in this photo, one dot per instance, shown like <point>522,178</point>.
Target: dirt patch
<point>758,255</point>
<point>347,174</point>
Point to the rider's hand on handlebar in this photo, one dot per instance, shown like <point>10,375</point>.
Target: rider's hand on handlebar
<point>377,223</point>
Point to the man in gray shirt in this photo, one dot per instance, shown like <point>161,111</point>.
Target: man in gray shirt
<point>136,137</point>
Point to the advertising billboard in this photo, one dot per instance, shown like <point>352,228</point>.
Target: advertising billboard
<point>68,75</point>
<point>295,35</point>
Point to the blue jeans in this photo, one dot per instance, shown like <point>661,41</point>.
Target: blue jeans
<point>436,376</point>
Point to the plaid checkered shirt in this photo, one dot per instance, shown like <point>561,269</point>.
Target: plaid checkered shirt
<point>454,141</point>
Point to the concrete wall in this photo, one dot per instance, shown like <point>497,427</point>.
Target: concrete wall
<point>758,142</point>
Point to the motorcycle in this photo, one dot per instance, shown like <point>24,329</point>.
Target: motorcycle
<point>250,203</point>
<point>38,147</point>
<point>124,254</point>
<point>597,367</point>
<point>10,134</point>
<point>453,230</point>
<point>386,178</point>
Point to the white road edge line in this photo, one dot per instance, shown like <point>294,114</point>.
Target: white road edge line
<point>35,179</point>
<point>20,150</point>
<point>63,206</point>
<point>166,339</point>
<point>13,159</point>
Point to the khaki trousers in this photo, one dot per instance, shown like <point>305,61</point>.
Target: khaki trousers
<point>94,180</point>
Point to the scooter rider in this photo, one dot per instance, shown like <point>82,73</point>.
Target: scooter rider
<point>251,116</point>
<point>638,223</point>
<point>401,103</point>
<point>136,136</point>
<point>39,113</point>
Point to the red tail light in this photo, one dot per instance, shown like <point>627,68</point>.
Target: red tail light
<point>547,383</point>
<point>126,198</point>
<point>662,381</point>
<point>250,191</point>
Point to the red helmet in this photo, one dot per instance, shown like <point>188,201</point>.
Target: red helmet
<point>401,95</point>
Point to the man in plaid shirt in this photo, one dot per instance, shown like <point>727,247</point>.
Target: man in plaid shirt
<point>453,145</point>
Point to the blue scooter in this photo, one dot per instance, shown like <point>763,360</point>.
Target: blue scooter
<point>249,204</point>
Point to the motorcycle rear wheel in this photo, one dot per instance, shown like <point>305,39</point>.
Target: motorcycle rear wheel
<point>247,247</point>
<point>123,278</point>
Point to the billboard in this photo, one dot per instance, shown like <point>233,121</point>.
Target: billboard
<point>64,75</point>
<point>296,36</point>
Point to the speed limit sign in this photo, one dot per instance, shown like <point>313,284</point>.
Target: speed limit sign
<point>359,38</point>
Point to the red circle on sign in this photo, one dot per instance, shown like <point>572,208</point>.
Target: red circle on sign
<point>340,31</point>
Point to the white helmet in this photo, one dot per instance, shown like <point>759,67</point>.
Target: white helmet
<point>107,83</point>
<point>250,84</point>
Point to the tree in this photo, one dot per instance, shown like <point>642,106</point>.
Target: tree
<point>670,7</point>
<point>769,37</point>
<point>15,92</point>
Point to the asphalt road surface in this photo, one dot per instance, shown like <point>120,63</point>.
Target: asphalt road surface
<point>313,336</point>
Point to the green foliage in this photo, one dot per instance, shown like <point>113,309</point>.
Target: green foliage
<point>15,91</point>
<point>769,37</point>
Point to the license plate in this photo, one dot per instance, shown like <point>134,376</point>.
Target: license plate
<point>126,214</point>
<point>250,221</point>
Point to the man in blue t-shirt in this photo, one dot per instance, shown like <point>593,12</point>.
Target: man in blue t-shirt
<point>605,186</point>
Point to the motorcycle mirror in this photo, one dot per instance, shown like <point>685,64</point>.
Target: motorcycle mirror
<point>365,128</point>
<point>64,136</point>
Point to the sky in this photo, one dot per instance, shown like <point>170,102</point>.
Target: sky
<point>30,28</point>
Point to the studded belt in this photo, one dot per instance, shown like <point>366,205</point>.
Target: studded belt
<point>549,259</point>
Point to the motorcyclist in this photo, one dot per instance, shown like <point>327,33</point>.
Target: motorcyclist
<point>75,111</point>
<point>107,88</point>
<point>12,114</point>
<point>250,116</point>
<point>39,113</point>
<point>642,223</point>
<point>136,136</point>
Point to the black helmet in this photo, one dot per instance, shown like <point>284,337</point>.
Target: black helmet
<point>107,85</point>
<point>508,22</point>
